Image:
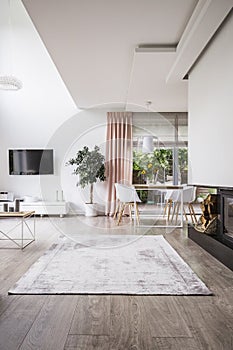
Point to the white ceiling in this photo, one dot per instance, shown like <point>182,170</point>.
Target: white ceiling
<point>92,44</point>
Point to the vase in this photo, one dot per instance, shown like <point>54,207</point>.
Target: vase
<point>149,181</point>
<point>156,177</point>
<point>90,209</point>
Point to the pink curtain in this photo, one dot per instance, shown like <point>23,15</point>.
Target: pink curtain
<point>118,154</point>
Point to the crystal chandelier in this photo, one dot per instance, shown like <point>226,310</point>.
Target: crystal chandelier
<point>9,82</point>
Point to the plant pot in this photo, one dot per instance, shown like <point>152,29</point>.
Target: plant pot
<point>90,209</point>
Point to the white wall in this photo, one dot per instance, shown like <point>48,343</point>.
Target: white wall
<point>211,112</point>
<point>28,117</point>
<point>87,128</point>
<point>42,114</point>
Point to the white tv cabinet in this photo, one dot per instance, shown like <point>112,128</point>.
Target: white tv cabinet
<point>41,207</point>
<point>45,208</point>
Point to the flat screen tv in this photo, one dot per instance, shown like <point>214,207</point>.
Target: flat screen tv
<point>31,162</point>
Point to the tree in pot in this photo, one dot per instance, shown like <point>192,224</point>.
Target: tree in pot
<point>90,168</point>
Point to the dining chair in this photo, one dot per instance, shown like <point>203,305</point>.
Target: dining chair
<point>189,196</point>
<point>126,197</point>
<point>168,203</point>
<point>174,204</point>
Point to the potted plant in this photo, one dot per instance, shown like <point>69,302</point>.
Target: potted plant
<point>90,168</point>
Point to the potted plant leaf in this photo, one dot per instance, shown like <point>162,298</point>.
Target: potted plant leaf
<point>90,167</point>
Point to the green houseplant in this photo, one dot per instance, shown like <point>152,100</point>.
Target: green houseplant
<point>90,167</point>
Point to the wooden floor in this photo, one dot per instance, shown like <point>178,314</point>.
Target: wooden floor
<point>114,322</point>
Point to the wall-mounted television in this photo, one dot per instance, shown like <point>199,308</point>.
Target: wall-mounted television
<point>31,162</point>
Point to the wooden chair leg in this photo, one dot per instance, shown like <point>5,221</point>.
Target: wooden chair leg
<point>169,209</point>
<point>192,213</point>
<point>165,208</point>
<point>120,213</point>
<point>185,214</point>
<point>130,211</point>
<point>174,210</point>
<point>117,209</point>
<point>137,212</point>
<point>177,213</point>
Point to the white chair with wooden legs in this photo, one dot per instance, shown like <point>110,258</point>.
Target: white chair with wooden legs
<point>175,204</point>
<point>168,204</point>
<point>126,196</point>
<point>189,195</point>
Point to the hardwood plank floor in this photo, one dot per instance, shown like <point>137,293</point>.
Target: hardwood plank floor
<point>87,342</point>
<point>52,323</point>
<point>209,325</point>
<point>114,322</point>
<point>175,344</point>
<point>165,318</point>
<point>92,315</point>
<point>129,324</point>
<point>17,320</point>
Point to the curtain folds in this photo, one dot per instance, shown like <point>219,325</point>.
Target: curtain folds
<point>118,154</point>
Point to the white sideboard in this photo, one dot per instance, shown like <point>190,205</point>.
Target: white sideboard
<point>42,208</point>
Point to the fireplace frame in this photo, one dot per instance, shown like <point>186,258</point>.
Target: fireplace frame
<point>221,234</point>
<point>219,245</point>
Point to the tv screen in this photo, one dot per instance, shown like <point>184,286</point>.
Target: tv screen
<point>31,162</point>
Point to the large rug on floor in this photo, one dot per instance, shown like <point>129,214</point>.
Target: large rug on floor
<point>144,265</point>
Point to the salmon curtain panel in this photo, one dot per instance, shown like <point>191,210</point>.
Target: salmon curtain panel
<point>118,154</point>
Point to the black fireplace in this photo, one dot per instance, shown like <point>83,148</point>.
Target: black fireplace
<point>219,243</point>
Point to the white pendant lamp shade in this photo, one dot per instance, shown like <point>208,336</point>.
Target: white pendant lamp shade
<point>148,144</point>
<point>9,82</point>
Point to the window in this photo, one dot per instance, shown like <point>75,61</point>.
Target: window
<point>160,147</point>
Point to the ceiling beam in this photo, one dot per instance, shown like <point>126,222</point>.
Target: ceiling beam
<point>204,22</point>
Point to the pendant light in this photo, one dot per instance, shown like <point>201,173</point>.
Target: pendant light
<point>148,144</point>
<point>148,140</point>
<point>10,82</point>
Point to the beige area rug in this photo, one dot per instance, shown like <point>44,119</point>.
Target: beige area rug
<point>143,265</point>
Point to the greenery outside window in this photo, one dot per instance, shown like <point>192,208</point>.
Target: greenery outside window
<point>168,160</point>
